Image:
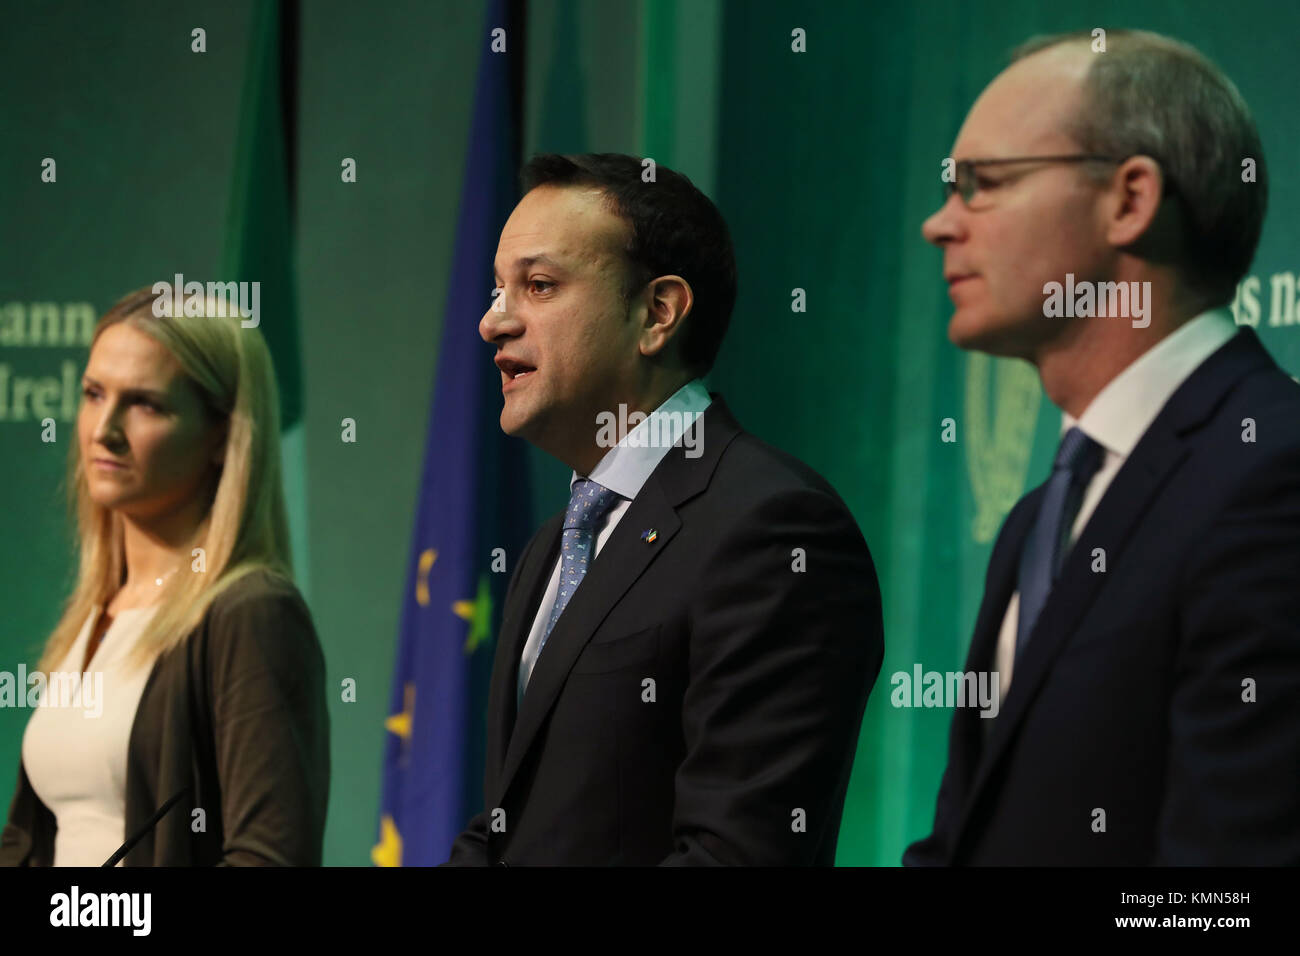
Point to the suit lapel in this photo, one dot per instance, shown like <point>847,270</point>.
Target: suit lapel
<point>1001,584</point>
<point>969,728</point>
<point>516,622</point>
<point>622,560</point>
<point>1162,448</point>
<point>1111,528</point>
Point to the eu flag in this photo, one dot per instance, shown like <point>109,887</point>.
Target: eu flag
<point>473,514</point>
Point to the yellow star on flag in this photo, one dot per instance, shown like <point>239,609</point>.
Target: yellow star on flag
<point>479,614</point>
<point>400,724</point>
<point>388,851</point>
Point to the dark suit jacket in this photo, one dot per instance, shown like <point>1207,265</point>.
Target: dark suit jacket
<point>236,713</point>
<point>1128,697</point>
<point>760,675</point>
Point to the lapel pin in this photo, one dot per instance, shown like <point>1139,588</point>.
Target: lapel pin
<point>649,535</point>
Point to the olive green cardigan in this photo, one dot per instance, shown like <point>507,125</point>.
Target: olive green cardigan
<point>235,717</point>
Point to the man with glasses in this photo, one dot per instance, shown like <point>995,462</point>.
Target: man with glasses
<point>1142,606</point>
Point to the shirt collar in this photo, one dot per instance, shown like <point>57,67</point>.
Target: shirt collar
<point>627,465</point>
<point>1130,402</point>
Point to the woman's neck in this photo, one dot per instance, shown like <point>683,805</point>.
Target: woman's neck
<point>156,551</point>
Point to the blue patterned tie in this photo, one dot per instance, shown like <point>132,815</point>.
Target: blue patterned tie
<point>589,503</point>
<point>1077,460</point>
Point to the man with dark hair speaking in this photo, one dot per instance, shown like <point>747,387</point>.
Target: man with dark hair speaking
<point>1142,606</point>
<point>686,650</point>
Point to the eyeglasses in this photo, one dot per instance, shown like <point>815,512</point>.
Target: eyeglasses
<point>966,182</point>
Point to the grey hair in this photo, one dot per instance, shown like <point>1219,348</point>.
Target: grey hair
<point>1149,95</point>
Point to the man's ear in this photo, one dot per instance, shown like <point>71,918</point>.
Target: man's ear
<point>1138,189</point>
<point>668,301</point>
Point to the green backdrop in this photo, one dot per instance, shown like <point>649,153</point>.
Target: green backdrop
<point>824,163</point>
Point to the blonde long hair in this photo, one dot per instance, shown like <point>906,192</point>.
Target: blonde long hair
<point>245,528</point>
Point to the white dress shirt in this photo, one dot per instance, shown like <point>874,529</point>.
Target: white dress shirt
<point>75,757</point>
<point>623,470</point>
<point>1116,419</point>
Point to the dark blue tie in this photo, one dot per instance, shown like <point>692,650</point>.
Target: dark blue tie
<point>1077,460</point>
<point>589,504</point>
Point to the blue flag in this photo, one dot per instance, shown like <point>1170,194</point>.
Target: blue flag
<point>472,518</point>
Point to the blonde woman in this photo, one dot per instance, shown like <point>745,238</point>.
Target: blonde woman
<point>201,735</point>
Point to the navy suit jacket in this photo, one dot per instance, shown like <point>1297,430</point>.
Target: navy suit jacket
<point>699,701</point>
<point>1159,698</point>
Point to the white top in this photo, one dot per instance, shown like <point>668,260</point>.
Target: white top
<point>624,469</point>
<point>1116,419</point>
<point>74,747</point>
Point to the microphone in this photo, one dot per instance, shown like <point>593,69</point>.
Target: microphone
<point>125,848</point>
